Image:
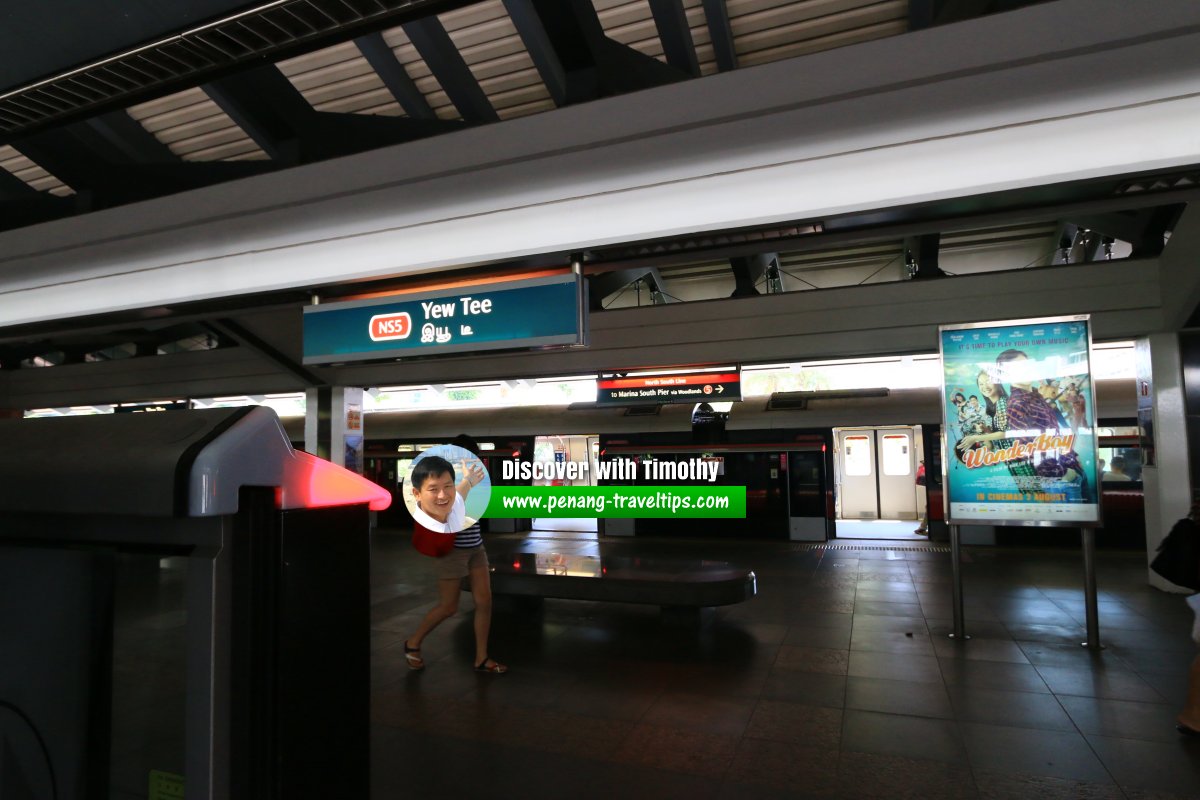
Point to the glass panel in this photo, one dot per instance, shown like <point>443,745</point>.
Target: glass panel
<point>1120,467</point>
<point>857,456</point>
<point>149,670</point>
<point>895,455</point>
<point>805,483</point>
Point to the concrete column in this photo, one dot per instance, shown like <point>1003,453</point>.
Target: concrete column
<point>333,426</point>
<point>1166,477</point>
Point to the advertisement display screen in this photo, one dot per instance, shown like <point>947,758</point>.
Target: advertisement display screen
<point>1019,418</point>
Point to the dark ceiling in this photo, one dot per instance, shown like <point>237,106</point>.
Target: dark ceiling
<point>36,45</point>
<point>87,149</point>
<point>79,142</point>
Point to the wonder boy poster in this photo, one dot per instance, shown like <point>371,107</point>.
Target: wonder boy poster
<point>1019,419</point>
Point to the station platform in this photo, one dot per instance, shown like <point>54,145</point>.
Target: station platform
<point>837,681</point>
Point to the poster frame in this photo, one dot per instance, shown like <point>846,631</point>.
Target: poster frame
<point>1092,421</point>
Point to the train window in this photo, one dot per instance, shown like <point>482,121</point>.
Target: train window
<point>858,455</point>
<point>1119,465</point>
<point>895,455</point>
<point>403,467</point>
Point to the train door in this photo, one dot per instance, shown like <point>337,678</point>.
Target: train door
<point>560,449</point>
<point>876,473</point>
<point>858,493</point>
<point>897,473</point>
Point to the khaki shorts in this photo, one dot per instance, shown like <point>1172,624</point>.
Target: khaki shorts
<point>459,562</point>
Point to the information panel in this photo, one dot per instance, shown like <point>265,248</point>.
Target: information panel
<point>1019,418</point>
<point>530,313</point>
<point>720,385</point>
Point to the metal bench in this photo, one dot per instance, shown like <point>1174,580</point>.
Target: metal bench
<point>683,588</point>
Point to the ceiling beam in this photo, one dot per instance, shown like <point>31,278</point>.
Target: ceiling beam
<point>574,57</point>
<point>1126,226</point>
<point>543,49</point>
<point>676,35</point>
<point>109,163</point>
<point>237,332</point>
<point>624,69</point>
<point>273,112</point>
<point>921,14</point>
<point>585,14</point>
<point>605,284</point>
<point>619,67</point>
<point>383,60</point>
<point>1158,221</point>
<point>129,139</point>
<point>451,71</point>
<point>44,208</point>
<point>958,10</point>
<point>267,107</point>
<point>721,34</point>
<point>189,58</point>
<point>1144,229</point>
<point>924,251</point>
<point>329,135</point>
<point>73,155</point>
<point>13,189</point>
<point>747,271</point>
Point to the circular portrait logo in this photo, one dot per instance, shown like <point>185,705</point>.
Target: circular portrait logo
<point>448,489</point>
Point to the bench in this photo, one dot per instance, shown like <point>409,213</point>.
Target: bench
<point>682,588</point>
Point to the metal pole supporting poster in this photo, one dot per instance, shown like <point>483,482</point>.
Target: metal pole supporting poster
<point>1019,434</point>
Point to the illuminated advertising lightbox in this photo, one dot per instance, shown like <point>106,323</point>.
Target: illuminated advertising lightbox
<point>1019,420</point>
<point>536,312</point>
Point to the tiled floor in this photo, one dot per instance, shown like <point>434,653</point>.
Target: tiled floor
<point>880,529</point>
<point>837,681</point>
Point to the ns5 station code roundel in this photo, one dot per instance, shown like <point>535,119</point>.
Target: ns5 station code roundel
<point>385,327</point>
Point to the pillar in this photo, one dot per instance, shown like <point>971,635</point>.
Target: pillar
<point>1164,423</point>
<point>333,425</point>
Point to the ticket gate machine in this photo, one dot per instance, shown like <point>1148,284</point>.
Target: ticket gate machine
<point>184,610</point>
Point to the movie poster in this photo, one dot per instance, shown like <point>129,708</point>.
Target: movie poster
<point>1019,417</point>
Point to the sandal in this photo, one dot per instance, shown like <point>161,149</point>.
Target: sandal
<point>413,656</point>
<point>495,668</point>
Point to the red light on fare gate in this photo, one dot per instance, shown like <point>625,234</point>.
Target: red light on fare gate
<point>516,565</point>
<point>318,483</point>
<point>385,327</point>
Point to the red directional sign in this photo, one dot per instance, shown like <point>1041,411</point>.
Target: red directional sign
<point>688,387</point>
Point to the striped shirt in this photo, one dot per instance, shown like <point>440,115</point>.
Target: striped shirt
<point>469,536</point>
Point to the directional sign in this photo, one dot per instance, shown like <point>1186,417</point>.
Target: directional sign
<point>529,313</point>
<point>687,387</point>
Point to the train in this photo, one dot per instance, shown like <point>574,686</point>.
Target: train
<point>811,462</point>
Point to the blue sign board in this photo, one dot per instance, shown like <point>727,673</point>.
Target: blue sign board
<point>529,313</point>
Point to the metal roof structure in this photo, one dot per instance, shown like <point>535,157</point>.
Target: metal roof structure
<point>292,81</point>
<point>269,86</point>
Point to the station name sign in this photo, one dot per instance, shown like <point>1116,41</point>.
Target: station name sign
<point>537,312</point>
<point>683,387</point>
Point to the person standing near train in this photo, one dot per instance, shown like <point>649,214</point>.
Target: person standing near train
<point>466,559</point>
